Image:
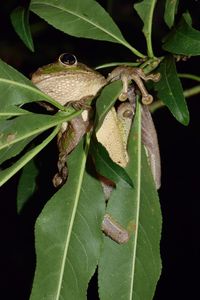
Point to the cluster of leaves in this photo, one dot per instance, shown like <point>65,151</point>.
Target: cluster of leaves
<point>69,242</point>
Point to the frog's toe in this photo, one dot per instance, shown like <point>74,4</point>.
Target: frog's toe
<point>60,178</point>
<point>123,96</point>
<point>156,77</point>
<point>57,180</point>
<point>148,99</point>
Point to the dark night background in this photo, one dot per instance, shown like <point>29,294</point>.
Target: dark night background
<point>179,146</point>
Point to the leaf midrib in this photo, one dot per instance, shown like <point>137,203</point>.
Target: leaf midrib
<point>81,17</point>
<point>138,196</point>
<point>39,130</point>
<point>71,223</point>
<point>169,88</point>
<point>119,40</point>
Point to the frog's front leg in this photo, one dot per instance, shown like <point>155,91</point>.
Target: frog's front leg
<point>127,74</point>
<point>68,137</point>
<point>84,103</point>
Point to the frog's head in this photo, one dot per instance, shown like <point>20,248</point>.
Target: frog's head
<point>67,80</point>
<point>66,63</point>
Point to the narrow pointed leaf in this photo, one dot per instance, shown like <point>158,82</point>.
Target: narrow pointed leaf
<point>79,18</point>
<point>6,174</point>
<point>68,235</point>
<point>26,126</point>
<point>20,22</point>
<point>16,89</point>
<point>15,136</point>
<point>170,90</point>
<point>12,111</point>
<point>183,39</point>
<point>26,185</point>
<point>106,167</point>
<point>145,10</point>
<point>14,149</point>
<point>170,12</point>
<point>105,101</point>
<point>130,271</point>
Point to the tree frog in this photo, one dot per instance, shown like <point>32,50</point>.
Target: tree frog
<point>72,83</point>
<point>68,81</point>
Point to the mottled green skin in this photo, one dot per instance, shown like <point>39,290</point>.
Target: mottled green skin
<point>68,83</point>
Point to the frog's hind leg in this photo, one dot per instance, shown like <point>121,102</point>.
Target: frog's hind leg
<point>61,176</point>
<point>68,138</point>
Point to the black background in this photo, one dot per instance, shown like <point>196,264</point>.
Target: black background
<point>179,147</point>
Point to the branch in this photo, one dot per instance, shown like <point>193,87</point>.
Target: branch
<point>187,93</point>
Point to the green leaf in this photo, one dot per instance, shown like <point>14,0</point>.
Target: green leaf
<point>14,130</point>
<point>6,174</point>
<point>20,21</point>
<point>26,185</point>
<point>68,235</point>
<point>16,89</point>
<point>183,39</point>
<point>171,7</point>
<point>15,136</point>
<point>12,111</point>
<point>131,270</point>
<point>106,100</point>
<point>79,18</point>
<point>106,167</point>
<point>187,17</point>
<point>170,90</point>
<point>14,149</point>
<point>145,10</point>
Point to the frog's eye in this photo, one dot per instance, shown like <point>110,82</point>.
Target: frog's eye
<point>67,59</point>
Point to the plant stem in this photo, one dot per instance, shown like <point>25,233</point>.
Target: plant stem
<point>115,64</point>
<point>187,93</point>
<point>135,51</point>
<point>151,64</point>
<point>189,76</point>
<point>148,36</point>
<point>191,92</point>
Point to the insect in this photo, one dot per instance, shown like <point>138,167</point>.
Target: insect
<point>114,230</point>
